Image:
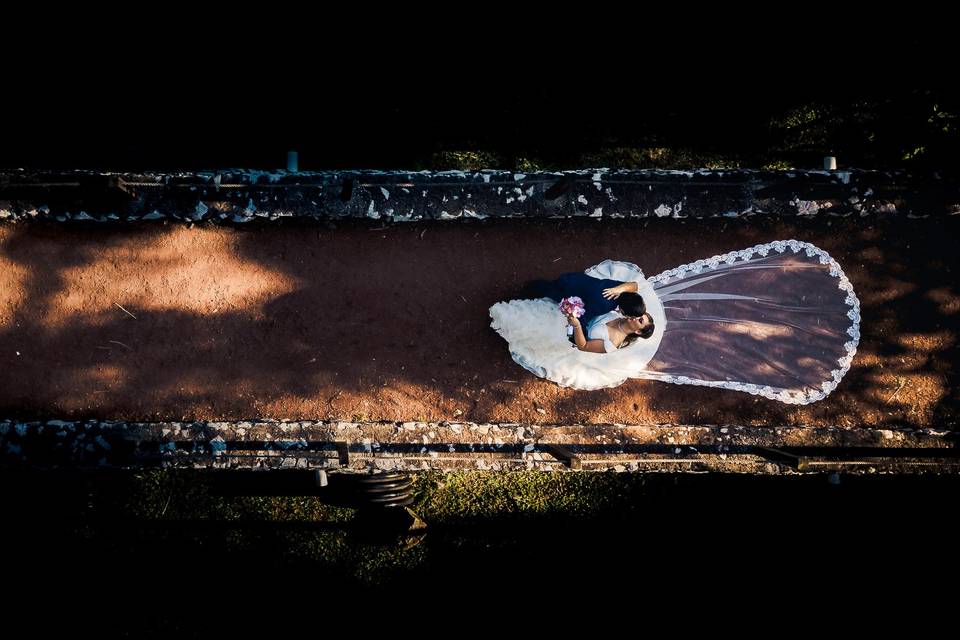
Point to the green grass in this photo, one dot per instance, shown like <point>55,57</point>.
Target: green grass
<point>441,498</point>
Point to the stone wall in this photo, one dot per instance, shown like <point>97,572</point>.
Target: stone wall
<point>243,196</point>
<point>418,446</point>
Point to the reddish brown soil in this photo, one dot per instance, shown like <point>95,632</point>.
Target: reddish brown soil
<point>366,322</point>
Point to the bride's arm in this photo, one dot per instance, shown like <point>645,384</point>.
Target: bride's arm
<point>595,346</point>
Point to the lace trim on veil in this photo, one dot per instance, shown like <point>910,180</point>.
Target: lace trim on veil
<point>789,396</point>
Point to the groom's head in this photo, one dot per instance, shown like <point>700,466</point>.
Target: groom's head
<point>631,304</point>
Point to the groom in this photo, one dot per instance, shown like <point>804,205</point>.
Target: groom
<point>588,288</point>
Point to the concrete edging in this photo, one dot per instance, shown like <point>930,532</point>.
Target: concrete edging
<point>419,446</point>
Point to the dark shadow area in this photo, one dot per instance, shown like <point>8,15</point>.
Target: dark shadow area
<point>635,111</point>
<point>71,529</point>
<point>711,82</point>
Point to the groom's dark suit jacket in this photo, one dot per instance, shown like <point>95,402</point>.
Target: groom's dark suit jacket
<point>577,283</point>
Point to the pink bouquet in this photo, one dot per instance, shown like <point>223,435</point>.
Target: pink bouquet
<point>572,306</point>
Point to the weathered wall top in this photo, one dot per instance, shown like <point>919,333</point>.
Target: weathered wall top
<point>240,195</point>
<point>418,446</point>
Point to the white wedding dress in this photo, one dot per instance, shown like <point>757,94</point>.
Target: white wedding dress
<point>778,320</point>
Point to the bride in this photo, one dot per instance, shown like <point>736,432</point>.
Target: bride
<point>778,320</point>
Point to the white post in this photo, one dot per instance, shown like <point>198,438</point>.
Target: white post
<point>292,161</point>
<point>320,478</point>
<point>829,163</point>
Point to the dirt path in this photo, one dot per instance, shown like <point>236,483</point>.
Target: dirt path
<point>306,322</point>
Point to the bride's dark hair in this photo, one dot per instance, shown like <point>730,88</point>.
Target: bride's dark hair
<point>646,332</point>
<point>631,304</point>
